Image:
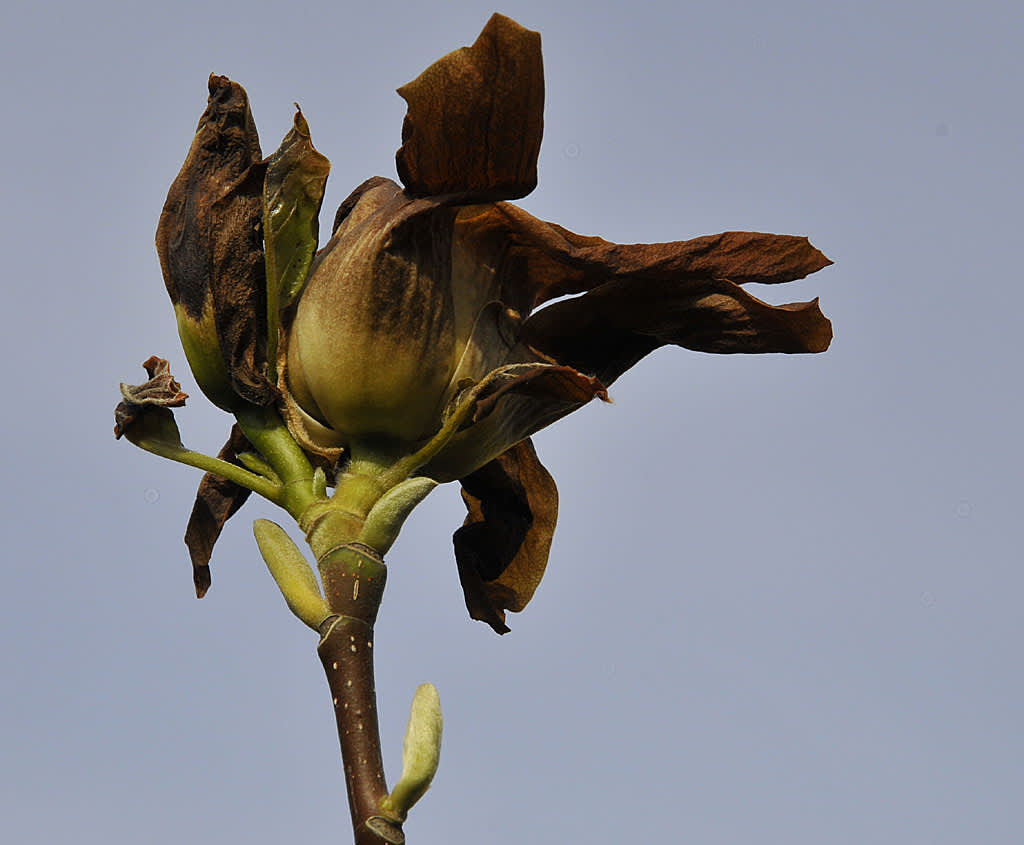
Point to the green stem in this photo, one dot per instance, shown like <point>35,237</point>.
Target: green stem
<point>268,433</point>
<point>232,472</point>
<point>357,490</point>
<point>405,467</point>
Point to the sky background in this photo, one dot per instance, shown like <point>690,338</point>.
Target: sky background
<point>784,601</point>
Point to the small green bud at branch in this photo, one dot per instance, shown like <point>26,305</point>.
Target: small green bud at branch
<point>386,517</point>
<point>292,573</point>
<point>421,753</point>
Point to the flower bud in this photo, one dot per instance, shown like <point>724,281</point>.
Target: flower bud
<point>210,244</point>
<point>372,348</point>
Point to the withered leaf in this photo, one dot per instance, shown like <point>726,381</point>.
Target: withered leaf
<point>210,243</point>
<point>217,500</point>
<point>150,400</point>
<point>502,548</point>
<point>476,118</point>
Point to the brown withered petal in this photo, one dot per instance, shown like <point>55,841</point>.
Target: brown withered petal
<point>741,257</point>
<point>502,548</point>
<point>210,238</point>
<point>475,118</point>
<point>609,329</point>
<point>161,391</point>
<point>638,297</point>
<point>217,500</point>
<point>546,261</point>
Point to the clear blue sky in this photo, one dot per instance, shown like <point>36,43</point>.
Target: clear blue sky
<point>784,598</point>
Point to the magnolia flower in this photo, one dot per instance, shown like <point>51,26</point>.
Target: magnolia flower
<point>438,329</point>
<point>429,289</point>
<point>426,308</point>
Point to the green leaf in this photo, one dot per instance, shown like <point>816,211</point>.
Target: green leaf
<point>421,753</point>
<point>292,573</point>
<point>292,194</point>
<point>386,517</point>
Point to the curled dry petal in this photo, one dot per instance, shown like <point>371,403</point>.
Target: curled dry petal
<point>502,549</point>
<point>161,389</point>
<point>210,243</point>
<point>159,392</point>
<point>217,500</point>
<point>475,118</point>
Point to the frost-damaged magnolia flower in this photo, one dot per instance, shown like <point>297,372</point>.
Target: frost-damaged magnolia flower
<point>424,308</point>
<point>429,292</point>
<point>438,329</point>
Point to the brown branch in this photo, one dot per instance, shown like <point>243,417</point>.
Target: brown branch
<point>353,577</point>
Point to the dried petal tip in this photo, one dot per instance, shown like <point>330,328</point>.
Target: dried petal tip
<point>161,391</point>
